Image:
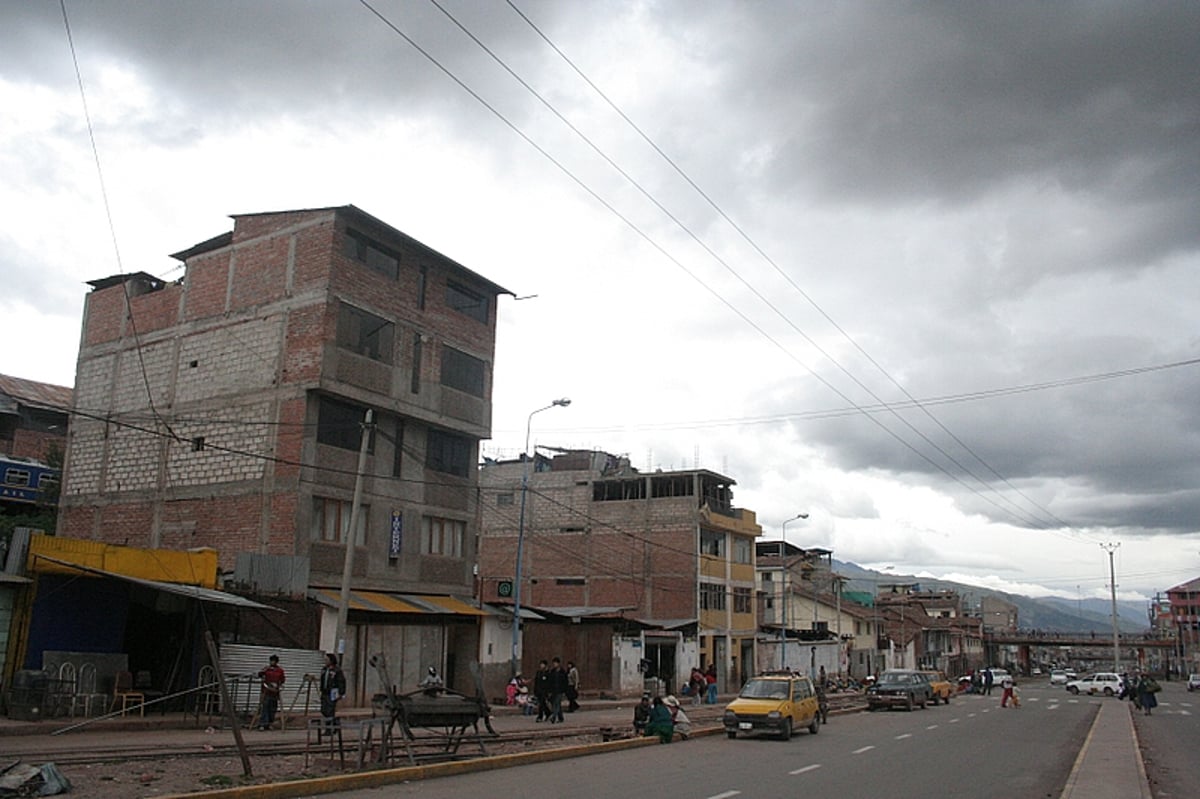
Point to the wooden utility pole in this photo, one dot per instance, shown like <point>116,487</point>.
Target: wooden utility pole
<point>227,703</point>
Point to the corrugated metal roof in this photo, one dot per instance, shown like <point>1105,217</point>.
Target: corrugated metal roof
<point>31,392</point>
<point>190,591</point>
<point>378,602</point>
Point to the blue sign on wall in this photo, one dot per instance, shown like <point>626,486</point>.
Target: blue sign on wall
<point>397,534</point>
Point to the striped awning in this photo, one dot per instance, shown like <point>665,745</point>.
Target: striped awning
<point>378,602</point>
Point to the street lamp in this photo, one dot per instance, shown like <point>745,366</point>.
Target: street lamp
<point>783,597</point>
<point>516,622</point>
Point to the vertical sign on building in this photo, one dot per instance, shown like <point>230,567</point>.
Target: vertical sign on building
<point>397,534</point>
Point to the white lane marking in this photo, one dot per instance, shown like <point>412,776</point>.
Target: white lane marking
<point>725,795</point>
<point>932,727</point>
<point>953,721</point>
<point>806,768</point>
<point>864,749</point>
<point>1185,712</point>
<point>972,715</point>
<point>1052,707</point>
<point>902,737</point>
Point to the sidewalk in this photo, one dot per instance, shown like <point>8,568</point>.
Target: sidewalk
<point>1109,765</point>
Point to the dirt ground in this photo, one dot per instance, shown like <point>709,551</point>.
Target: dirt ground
<point>183,775</point>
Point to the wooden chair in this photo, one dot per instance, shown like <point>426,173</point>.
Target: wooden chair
<point>126,695</point>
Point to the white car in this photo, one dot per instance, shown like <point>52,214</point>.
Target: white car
<point>1102,682</point>
<point>1059,677</point>
<point>1193,682</point>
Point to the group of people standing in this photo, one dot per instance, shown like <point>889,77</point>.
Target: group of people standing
<point>552,684</point>
<point>1141,688</point>
<point>702,685</point>
<point>331,685</point>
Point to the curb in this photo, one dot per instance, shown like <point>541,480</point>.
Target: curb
<point>294,789</point>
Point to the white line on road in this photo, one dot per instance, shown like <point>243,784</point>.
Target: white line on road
<point>953,721</point>
<point>902,737</point>
<point>932,727</point>
<point>864,749</point>
<point>1185,712</point>
<point>806,768</point>
<point>725,795</point>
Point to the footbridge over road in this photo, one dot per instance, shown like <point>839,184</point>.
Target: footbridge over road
<point>1084,652</point>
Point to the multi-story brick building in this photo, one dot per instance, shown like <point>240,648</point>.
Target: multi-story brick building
<point>33,418</point>
<point>667,550</point>
<point>225,410</point>
<point>1185,612</point>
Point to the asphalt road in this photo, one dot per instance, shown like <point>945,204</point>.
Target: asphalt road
<point>970,748</point>
<point>1170,739</point>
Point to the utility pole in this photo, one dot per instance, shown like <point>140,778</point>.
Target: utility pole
<point>783,571</point>
<point>351,535</point>
<point>1110,548</point>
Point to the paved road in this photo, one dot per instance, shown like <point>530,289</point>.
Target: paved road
<point>1170,739</point>
<point>970,748</point>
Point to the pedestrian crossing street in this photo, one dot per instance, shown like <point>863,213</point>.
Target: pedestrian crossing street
<point>1053,702</point>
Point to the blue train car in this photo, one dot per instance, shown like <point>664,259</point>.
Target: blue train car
<point>24,480</point>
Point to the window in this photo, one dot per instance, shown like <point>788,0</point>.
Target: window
<point>742,550</point>
<point>331,521</point>
<point>364,333</point>
<point>741,600</point>
<point>339,424</point>
<point>442,536</point>
<point>465,301</point>
<point>422,281</point>
<point>463,372</point>
<point>448,453</point>
<point>712,543</point>
<point>372,254</point>
<point>16,477</point>
<point>712,596</point>
<point>505,499</point>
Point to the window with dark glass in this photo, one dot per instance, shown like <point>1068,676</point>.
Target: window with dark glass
<point>448,453</point>
<point>463,372</point>
<point>372,254</point>
<point>365,333</point>
<point>466,301</point>
<point>339,424</point>
<point>415,383</point>
<point>712,596</point>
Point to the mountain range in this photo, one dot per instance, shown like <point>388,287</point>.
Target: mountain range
<point>1052,614</point>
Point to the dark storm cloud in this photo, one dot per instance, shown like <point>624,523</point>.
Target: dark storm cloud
<point>945,102</point>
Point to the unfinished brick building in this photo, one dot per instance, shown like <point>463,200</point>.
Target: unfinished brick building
<point>666,550</point>
<point>224,410</point>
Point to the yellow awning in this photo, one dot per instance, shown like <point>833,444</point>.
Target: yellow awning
<point>378,602</point>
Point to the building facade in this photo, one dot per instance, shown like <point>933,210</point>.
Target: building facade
<point>226,410</point>
<point>666,551</point>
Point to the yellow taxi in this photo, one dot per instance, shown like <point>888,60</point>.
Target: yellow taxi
<point>942,688</point>
<point>776,703</point>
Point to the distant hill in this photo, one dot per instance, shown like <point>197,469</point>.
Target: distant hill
<point>1052,614</point>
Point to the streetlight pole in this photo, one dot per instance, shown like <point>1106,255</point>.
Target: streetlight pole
<point>516,621</point>
<point>783,597</point>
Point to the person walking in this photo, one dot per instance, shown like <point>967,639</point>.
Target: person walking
<point>541,690</point>
<point>988,679</point>
<point>1007,694</point>
<point>1147,687</point>
<point>332,687</point>
<point>272,686</point>
<point>572,687</point>
<point>558,690</point>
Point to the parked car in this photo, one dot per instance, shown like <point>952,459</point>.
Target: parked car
<point>776,703</point>
<point>1102,682</point>
<point>1193,682</point>
<point>900,688</point>
<point>1059,677</point>
<point>939,685</point>
<point>999,676</point>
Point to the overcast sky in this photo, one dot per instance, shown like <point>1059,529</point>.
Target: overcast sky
<point>927,272</point>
